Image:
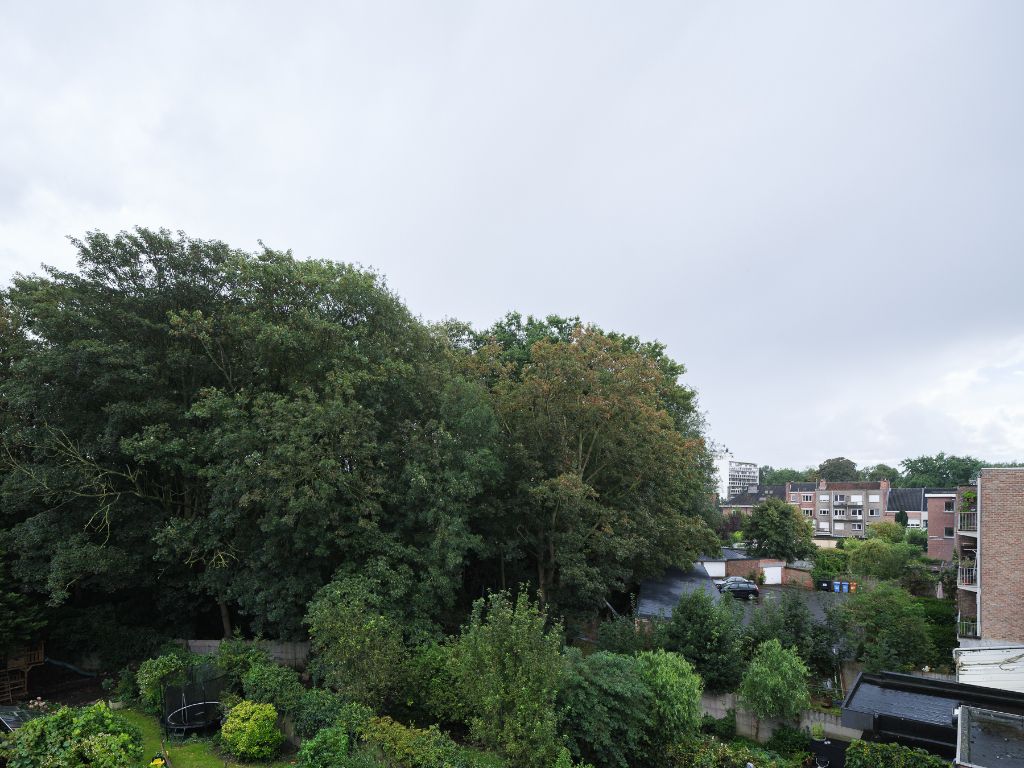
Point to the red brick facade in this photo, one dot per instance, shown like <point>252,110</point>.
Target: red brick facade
<point>1001,554</point>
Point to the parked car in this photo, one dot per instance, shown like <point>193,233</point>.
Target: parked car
<point>741,590</point>
<point>731,580</point>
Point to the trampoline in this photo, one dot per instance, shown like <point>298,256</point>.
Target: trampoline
<point>194,706</point>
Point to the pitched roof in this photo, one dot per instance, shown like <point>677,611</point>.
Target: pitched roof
<point>803,487</point>
<point>748,499</point>
<point>906,500</point>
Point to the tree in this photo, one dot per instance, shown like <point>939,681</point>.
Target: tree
<point>21,619</point>
<point>782,475</point>
<point>894,533</point>
<point>880,557</point>
<point>886,629</point>
<point>829,564</point>
<point>775,684</point>
<point>837,470</point>
<point>940,471</point>
<point>608,709</point>
<point>901,518</point>
<point>677,690</point>
<point>881,472</point>
<point>508,666</point>
<point>777,529</point>
<point>607,472</point>
<point>789,621</point>
<point>708,634</point>
<point>918,537</point>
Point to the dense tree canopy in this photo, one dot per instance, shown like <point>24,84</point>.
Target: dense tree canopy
<point>777,529</point>
<point>210,436</point>
<point>837,469</point>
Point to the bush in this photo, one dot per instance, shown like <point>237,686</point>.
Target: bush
<point>355,719</point>
<point>273,684</point>
<point>863,754</point>
<point>327,749</point>
<point>91,736</point>
<point>709,635</point>
<point>432,694</point>
<point>250,731</point>
<point>677,690</point>
<point>708,752</point>
<point>724,728</point>
<point>791,742</point>
<point>775,684</point>
<point>236,656</point>
<point>607,709</point>
<point>318,708</point>
<point>168,669</point>
<point>127,688</point>
<point>409,747</point>
<point>623,634</point>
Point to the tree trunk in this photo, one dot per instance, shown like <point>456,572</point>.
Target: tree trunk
<point>225,618</point>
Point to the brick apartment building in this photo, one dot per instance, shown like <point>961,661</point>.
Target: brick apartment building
<point>840,509</point>
<point>988,543</point>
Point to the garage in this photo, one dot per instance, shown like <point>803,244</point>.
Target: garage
<point>772,574</point>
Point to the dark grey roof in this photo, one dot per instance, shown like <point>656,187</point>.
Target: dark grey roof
<point>803,487</point>
<point>778,491</point>
<point>991,738</point>
<point>749,499</point>
<point>658,597</point>
<point>906,500</point>
<point>727,554</point>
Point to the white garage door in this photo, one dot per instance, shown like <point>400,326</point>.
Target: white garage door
<point>773,574</point>
<point>715,568</point>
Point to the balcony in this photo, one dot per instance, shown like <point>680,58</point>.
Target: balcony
<point>967,628</point>
<point>968,575</point>
<point>968,521</point>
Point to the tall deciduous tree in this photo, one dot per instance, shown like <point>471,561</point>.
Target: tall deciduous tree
<point>775,683</point>
<point>887,630</point>
<point>837,470</point>
<point>940,471</point>
<point>709,635</point>
<point>777,529</point>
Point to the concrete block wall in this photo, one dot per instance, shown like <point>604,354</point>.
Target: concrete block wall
<point>718,706</point>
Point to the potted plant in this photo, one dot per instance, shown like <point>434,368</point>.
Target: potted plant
<point>818,733</point>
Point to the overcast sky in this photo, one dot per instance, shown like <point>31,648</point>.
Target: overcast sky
<point>817,206</point>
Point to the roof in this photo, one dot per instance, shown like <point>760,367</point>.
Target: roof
<point>777,491</point>
<point>918,711</point>
<point>12,718</point>
<point>990,739</point>
<point>658,597</point>
<point>856,485</point>
<point>749,499</point>
<point>803,487</point>
<point>906,500</point>
<point>727,554</point>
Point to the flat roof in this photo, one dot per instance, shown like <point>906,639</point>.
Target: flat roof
<point>990,739</point>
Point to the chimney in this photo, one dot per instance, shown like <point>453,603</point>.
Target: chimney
<point>821,485</point>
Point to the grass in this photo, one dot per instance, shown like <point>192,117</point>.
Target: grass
<point>193,754</point>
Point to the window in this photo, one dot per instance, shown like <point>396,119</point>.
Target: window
<point>856,498</point>
<point>808,497</point>
<point>823,525</point>
<point>792,497</point>
<point>913,523</point>
<point>857,511</point>
<point>840,526</point>
<point>822,511</point>
<point>808,512</point>
<point>949,505</point>
<point>823,497</point>
<point>948,533</point>
<point>874,497</point>
<point>840,497</point>
<point>857,526</point>
<point>872,513</point>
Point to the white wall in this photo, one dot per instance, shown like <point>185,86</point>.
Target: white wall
<point>715,568</point>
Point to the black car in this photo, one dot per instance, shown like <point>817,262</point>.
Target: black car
<point>741,590</point>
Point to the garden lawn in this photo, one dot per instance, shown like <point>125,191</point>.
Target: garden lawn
<point>197,754</point>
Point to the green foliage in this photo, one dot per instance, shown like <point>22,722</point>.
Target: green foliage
<point>940,616</point>
<point>775,683</point>
<point>887,629</point>
<point>250,731</point>
<point>902,518</point>
<point>879,557</point>
<point>155,674</point>
<point>709,634</point>
<point>318,708</point>
<point>791,623</point>
<point>677,690</point>
<point>893,533</point>
<point>782,475</point>
<point>356,650</point>
<point>708,752</point>
<point>940,471</point>
<point>608,709</point>
<point>432,694</point>
<point>269,683</point>
<point>625,634</point>
<point>865,754</point>
<point>327,749</point>
<point>829,564</point>
<point>405,747</point>
<point>723,728</point>
<point>918,537</point>
<point>838,470</point>
<point>21,618</point>
<point>779,530</point>
<point>507,665</point>
<point>235,657</point>
<point>918,579</point>
<point>789,741</point>
<point>91,737</point>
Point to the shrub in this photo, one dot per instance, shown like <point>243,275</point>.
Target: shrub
<point>250,731</point>
<point>91,736</point>
<point>327,749</point>
<point>775,684</point>
<point>724,728</point>
<point>789,741</point>
<point>432,694</point>
<point>888,629</point>
<point>709,635</point>
<point>127,688</point>
<point>863,754</point>
<point>624,634</point>
<point>507,664</point>
<point>708,752</point>
<point>412,747</point>
<point>355,719</point>
<point>608,709</point>
<point>677,690</point>
<point>236,656</point>
<point>154,674</point>
<point>318,708</point>
<point>273,684</point>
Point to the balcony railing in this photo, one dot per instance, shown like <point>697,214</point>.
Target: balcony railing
<point>967,628</point>
<point>968,575</point>
<point>968,521</point>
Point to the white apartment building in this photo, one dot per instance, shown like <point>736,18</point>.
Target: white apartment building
<point>735,477</point>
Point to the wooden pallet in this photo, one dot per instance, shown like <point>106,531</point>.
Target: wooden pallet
<point>13,685</point>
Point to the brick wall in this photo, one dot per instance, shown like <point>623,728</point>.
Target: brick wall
<point>797,577</point>
<point>940,547</point>
<point>1001,497</point>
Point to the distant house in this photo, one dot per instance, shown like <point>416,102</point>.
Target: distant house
<point>929,509</point>
<point>744,502</point>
